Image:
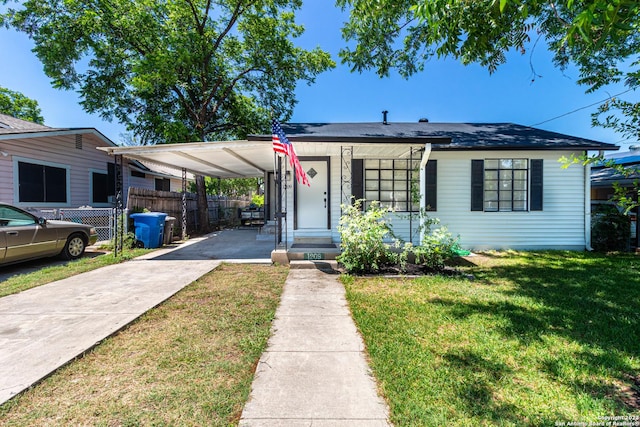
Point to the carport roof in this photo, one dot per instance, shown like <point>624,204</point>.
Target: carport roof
<point>223,159</point>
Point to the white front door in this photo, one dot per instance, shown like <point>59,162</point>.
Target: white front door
<point>312,203</point>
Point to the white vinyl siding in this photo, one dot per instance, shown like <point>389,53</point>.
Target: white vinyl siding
<point>559,225</point>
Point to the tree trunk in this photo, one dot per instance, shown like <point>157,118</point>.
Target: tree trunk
<point>203,206</point>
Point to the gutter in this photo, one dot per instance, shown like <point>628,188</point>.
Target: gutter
<point>587,207</point>
<point>423,165</point>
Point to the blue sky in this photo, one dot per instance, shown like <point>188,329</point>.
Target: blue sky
<point>445,92</point>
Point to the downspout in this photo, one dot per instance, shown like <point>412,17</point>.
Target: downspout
<point>423,183</point>
<point>587,207</point>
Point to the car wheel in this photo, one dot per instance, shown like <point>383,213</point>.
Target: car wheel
<point>74,248</point>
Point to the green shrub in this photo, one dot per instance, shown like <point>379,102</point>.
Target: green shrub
<point>437,245</point>
<point>368,244</point>
<point>362,236</point>
<point>610,229</point>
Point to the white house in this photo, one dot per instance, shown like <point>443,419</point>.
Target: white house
<point>44,167</point>
<point>496,185</point>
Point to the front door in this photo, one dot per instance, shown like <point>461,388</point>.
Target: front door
<point>312,203</point>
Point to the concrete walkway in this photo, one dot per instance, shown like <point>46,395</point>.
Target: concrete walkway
<point>314,372</point>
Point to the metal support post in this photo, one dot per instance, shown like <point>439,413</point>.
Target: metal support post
<point>184,204</point>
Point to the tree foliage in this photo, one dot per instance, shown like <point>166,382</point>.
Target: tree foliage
<point>230,187</point>
<point>174,70</point>
<point>600,37</point>
<point>17,105</point>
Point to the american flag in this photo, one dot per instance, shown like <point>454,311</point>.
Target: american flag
<point>281,144</point>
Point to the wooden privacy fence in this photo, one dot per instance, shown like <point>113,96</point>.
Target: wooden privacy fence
<point>222,211</point>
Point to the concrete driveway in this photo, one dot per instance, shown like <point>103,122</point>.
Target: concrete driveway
<point>46,327</point>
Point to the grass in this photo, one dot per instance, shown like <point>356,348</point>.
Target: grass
<point>536,339</point>
<point>189,362</point>
<point>22,282</point>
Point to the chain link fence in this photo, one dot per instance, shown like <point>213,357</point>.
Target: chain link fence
<point>103,219</point>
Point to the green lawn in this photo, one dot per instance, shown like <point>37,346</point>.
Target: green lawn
<point>536,339</point>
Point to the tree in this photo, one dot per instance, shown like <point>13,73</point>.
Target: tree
<point>601,37</point>
<point>174,70</point>
<point>231,187</point>
<point>19,106</point>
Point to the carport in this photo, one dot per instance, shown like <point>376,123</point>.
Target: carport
<point>220,159</point>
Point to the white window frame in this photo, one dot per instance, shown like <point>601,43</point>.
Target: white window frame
<point>16,183</point>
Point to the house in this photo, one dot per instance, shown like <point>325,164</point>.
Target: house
<point>50,168</point>
<point>603,179</point>
<point>496,185</point>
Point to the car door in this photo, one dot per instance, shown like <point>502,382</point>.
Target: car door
<point>25,237</point>
<point>3,243</point>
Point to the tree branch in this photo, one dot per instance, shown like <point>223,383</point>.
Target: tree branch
<point>237,12</point>
<point>226,92</point>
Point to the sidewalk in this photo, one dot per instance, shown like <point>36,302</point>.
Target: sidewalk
<point>314,371</point>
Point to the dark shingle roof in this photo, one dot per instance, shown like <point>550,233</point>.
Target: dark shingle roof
<point>444,136</point>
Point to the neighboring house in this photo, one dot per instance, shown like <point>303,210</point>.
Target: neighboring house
<point>603,178</point>
<point>49,168</point>
<point>496,185</point>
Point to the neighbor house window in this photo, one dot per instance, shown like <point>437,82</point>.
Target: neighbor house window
<point>506,185</point>
<point>99,187</point>
<point>163,184</point>
<point>42,183</point>
<point>390,182</point>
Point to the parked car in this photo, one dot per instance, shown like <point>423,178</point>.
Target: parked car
<point>24,236</point>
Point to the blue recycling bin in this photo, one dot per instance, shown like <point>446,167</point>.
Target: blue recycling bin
<point>149,228</point>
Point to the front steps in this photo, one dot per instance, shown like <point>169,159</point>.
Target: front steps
<point>307,249</point>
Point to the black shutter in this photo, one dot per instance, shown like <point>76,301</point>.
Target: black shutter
<point>357,178</point>
<point>431,186</point>
<point>477,185</point>
<point>536,185</point>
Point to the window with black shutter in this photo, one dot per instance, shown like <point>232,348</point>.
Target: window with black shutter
<point>506,185</point>
<point>393,183</point>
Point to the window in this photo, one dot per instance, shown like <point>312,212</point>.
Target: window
<point>11,217</point>
<point>99,187</point>
<point>390,182</point>
<point>506,185</point>
<point>163,184</point>
<point>40,183</point>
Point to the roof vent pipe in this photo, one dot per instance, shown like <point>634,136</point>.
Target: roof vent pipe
<point>423,120</point>
<point>384,117</point>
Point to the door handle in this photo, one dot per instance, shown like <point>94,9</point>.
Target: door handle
<point>12,233</point>
<point>325,202</point>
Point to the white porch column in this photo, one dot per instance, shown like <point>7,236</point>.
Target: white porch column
<point>423,184</point>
